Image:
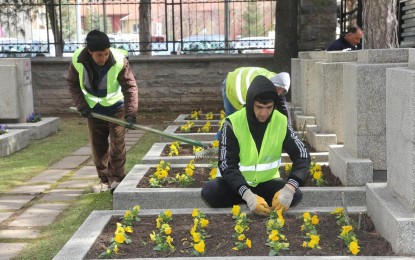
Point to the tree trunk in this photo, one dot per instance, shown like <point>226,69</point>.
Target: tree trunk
<point>54,23</point>
<point>286,38</point>
<point>380,25</point>
<point>145,27</point>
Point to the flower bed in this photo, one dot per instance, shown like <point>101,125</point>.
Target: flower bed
<point>220,241</point>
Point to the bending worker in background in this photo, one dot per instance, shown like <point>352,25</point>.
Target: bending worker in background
<point>236,84</point>
<point>100,80</point>
<point>250,149</point>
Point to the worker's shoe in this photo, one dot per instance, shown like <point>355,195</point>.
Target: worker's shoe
<point>114,185</point>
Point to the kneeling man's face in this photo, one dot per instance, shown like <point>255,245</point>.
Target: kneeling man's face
<point>263,111</point>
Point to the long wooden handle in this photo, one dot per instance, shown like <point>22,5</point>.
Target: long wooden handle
<point>145,128</point>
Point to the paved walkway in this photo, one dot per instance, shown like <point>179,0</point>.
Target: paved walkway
<point>37,203</point>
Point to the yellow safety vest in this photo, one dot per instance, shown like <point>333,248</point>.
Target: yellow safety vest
<point>257,168</point>
<point>114,93</point>
<point>238,81</point>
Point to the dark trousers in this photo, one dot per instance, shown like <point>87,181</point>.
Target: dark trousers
<point>108,148</point>
<point>218,194</point>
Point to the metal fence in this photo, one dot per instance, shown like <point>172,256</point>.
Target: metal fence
<point>48,27</point>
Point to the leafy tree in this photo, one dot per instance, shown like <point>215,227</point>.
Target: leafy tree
<point>252,21</point>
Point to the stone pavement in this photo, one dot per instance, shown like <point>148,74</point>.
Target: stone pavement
<point>27,208</point>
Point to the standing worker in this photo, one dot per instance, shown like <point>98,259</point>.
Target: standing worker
<point>100,80</point>
<point>250,146</point>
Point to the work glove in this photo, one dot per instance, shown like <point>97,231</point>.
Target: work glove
<point>85,112</point>
<point>256,204</point>
<point>131,121</point>
<point>283,198</point>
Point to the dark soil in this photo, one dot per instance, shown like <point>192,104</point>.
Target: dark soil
<point>201,176</point>
<point>220,241</point>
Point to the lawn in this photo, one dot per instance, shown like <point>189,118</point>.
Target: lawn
<point>40,154</point>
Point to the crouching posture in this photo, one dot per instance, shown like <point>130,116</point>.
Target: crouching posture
<point>251,143</point>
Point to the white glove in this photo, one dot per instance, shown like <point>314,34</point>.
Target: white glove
<point>283,198</point>
<point>256,204</point>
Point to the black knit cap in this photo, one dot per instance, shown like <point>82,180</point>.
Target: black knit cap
<point>97,41</point>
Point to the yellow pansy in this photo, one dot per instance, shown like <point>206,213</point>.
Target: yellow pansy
<point>213,173</point>
<point>241,237</point>
<point>129,229</point>
<point>354,247</point>
<point>338,211</point>
<point>248,243</point>
<point>306,216</point>
<point>317,175</point>
<point>128,214</point>
<point>314,220</point>
<point>116,249</point>
<point>345,230</point>
<point>236,209</point>
<point>169,240</point>
<point>196,237</point>
<point>200,247</point>
<point>166,228</point>
<point>204,222</point>
<point>119,238</point>
<point>239,229</point>
<point>153,236</point>
<point>195,212</point>
<point>168,213</point>
<point>158,222</point>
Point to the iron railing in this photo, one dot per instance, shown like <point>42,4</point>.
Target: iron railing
<point>40,27</point>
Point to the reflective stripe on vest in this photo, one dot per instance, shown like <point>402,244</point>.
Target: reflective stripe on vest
<point>114,93</point>
<point>238,81</point>
<point>263,166</point>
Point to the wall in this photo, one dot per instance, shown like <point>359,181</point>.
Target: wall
<point>168,83</point>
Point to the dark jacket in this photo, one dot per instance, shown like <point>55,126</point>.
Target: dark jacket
<point>341,44</point>
<point>125,78</point>
<point>229,147</point>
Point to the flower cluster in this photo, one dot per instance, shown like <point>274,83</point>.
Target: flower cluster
<point>187,127</point>
<point>205,128</point>
<point>195,114</point>
<point>3,129</point>
<point>33,118</point>
<point>185,179</point>
<point>346,234</point>
<point>222,114</point>
<point>160,176</point>
<point>209,116</point>
<point>276,240</point>
<point>317,174</point>
<point>163,239</point>
<point>309,227</point>
<point>121,237</point>
<point>174,149</point>
<point>198,232</point>
<point>241,225</point>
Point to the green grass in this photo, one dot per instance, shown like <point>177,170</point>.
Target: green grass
<point>54,236</point>
<point>19,167</point>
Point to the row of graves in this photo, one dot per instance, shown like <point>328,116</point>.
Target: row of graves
<point>353,110</point>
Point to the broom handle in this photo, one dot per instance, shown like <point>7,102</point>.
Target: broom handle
<point>141,127</point>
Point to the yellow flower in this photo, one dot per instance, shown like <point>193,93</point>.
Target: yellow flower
<point>302,227</point>
<point>215,143</point>
<point>128,214</point>
<point>239,229</point>
<point>116,249</point>
<point>317,175</point>
<point>314,220</point>
<point>119,229</point>
<point>119,238</point>
<point>168,213</point>
<point>153,236</point>
<point>346,230</point>
<point>166,228</point>
<point>169,240</point>
<point>273,236</point>
<point>338,211</point>
<point>158,222</point>
<point>213,173</point>
<point>270,223</point>
<point>307,216</point>
<point>136,208</point>
<point>196,237</point>
<point>204,222</point>
<point>304,244</point>
<point>288,167</point>
<point>200,247</point>
<point>354,247</point>
<point>129,229</point>
<point>248,243</point>
<point>236,209</point>
<point>195,212</point>
<point>318,167</point>
<point>241,237</point>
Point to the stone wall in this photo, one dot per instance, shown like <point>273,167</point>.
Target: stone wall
<point>169,83</point>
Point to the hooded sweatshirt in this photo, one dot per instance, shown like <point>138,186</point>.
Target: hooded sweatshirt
<point>229,147</point>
